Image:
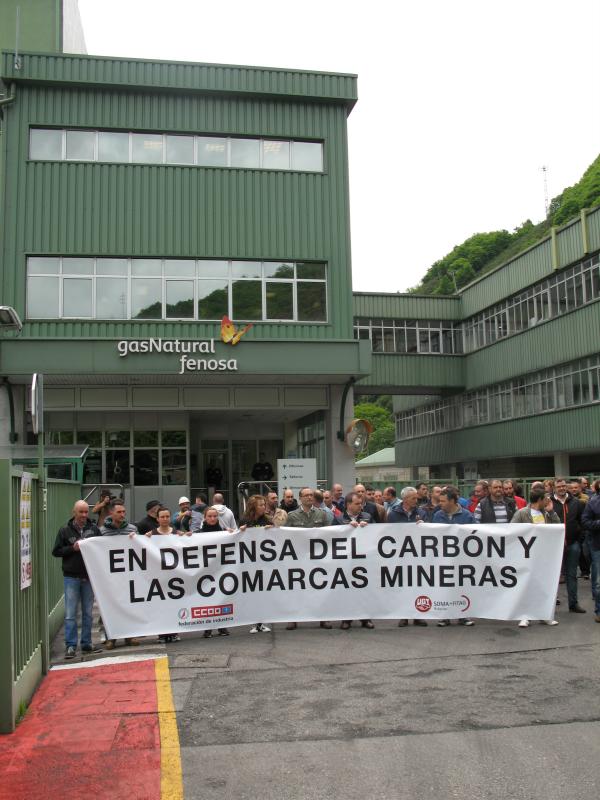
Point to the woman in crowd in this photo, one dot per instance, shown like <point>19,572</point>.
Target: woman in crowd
<point>255,516</point>
<point>164,528</point>
<point>211,524</point>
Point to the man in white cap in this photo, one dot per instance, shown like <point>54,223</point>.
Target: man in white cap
<point>182,518</point>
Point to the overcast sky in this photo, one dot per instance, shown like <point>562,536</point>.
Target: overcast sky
<point>461,102</point>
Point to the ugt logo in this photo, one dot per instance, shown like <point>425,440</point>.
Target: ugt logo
<point>423,603</point>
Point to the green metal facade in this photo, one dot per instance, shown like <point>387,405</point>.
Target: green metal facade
<point>171,211</point>
<point>564,431</point>
<point>413,378</point>
<point>72,208</point>
<point>40,24</point>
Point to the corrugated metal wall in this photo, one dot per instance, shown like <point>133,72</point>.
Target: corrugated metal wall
<point>569,244</point>
<point>406,306</point>
<point>544,434</point>
<point>138,73</point>
<point>412,373</point>
<point>557,341</point>
<point>593,227</point>
<point>533,265</point>
<point>169,211</point>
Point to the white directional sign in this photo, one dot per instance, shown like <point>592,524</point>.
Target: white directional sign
<point>295,473</point>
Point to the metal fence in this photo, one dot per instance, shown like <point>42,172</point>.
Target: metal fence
<point>30,616</point>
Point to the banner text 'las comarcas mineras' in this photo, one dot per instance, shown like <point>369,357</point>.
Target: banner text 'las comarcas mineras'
<point>167,584</point>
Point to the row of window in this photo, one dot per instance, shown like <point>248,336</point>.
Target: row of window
<point>567,386</point>
<point>130,288</point>
<point>146,458</point>
<point>560,293</point>
<point>54,144</point>
<point>410,336</point>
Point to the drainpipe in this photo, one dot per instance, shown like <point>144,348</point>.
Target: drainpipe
<point>12,437</point>
<point>341,434</point>
<point>11,97</point>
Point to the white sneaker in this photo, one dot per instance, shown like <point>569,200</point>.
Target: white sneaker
<point>264,628</point>
<point>549,621</point>
<point>524,623</point>
<point>466,622</point>
<point>254,629</point>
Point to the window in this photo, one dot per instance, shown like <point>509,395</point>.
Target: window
<point>147,148</point>
<point>559,294</point>
<point>119,288</point>
<point>122,147</point>
<point>567,386</point>
<point>45,145</point>
<point>408,336</point>
<point>180,149</point>
<point>81,145</point>
<point>113,146</point>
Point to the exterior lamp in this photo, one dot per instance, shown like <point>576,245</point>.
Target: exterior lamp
<point>9,319</point>
<point>357,434</point>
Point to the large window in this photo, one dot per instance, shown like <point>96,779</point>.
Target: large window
<point>55,144</point>
<point>567,386</point>
<point>183,289</point>
<point>141,458</point>
<point>410,336</point>
<point>564,291</point>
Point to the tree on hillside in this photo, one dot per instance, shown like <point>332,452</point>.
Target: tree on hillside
<point>484,251</point>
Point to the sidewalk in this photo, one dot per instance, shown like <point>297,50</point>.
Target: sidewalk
<point>107,730</point>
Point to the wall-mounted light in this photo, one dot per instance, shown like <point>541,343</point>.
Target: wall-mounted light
<point>9,319</point>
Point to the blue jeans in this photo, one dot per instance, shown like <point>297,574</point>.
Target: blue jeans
<point>595,579</point>
<point>572,554</point>
<point>76,590</point>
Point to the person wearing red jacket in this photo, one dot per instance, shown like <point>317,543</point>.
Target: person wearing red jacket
<point>508,489</point>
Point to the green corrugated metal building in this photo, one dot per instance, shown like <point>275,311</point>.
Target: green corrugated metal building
<point>144,201</point>
<point>517,389</point>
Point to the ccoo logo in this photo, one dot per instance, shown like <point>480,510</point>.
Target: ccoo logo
<point>183,613</point>
<point>423,603</point>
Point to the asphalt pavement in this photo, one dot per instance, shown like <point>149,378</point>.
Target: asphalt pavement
<point>489,711</point>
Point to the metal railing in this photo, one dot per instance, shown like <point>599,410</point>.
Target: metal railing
<point>246,489</point>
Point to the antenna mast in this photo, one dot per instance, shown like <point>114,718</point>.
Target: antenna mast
<point>546,201</point>
<point>17,62</point>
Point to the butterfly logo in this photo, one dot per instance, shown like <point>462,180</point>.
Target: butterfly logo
<point>229,333</point>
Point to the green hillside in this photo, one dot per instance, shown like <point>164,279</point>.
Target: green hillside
<point>484,251</point>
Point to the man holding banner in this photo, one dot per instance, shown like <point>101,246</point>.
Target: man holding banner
<point>78,588</point>
<point>116,525</point>
<point>355,516</point>
<point>307,516</point>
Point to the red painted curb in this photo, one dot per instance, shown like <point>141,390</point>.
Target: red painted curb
<point>87,732</point>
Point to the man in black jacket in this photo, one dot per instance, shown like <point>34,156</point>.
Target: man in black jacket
<point>76,582</point>
<point>150,521</point>
<point>496,507</point>
<point>570,511</point>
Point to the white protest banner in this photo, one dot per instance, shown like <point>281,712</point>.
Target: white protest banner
<point>167,584</point>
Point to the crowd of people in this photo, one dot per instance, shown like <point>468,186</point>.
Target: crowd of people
<point>572,503</point>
